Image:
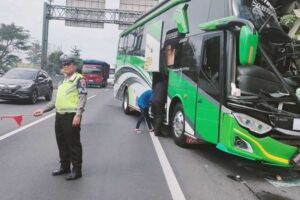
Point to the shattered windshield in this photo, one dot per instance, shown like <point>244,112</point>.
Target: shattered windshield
<point>260,12</point>
<point>274,20</point>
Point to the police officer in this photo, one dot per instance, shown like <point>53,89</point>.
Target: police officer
<point>69,104</point>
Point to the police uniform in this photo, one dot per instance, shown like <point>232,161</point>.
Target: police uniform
<point>70,101</point>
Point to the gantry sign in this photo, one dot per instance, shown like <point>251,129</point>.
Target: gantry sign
<point>82,15</point>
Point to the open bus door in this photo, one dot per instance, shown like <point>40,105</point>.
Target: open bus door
<point>153,46</point>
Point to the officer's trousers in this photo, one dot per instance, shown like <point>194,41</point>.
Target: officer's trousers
<point>68,141</point>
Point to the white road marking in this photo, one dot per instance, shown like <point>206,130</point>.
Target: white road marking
<point>32,124</point>
<point>91,97</point>
<point>172,182</point>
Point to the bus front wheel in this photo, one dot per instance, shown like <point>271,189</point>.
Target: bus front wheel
<point>125,103</point>
<point>178,125</point>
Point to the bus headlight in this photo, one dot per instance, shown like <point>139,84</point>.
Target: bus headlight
<point>252,124</point>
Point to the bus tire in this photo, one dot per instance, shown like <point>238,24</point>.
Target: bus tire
<point>125,103</point>
<point>178,126</point>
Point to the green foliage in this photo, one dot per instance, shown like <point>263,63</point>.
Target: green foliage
<point>12,61</point>
<point>34,54</point>
<point>288,20</point>
<point>12,39</point>
<point>54,65</point>
<point>75,51</point>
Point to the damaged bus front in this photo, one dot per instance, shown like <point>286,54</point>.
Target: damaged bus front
<point>232,68</point>
<point>262,111</point>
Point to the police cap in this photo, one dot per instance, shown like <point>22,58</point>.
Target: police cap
<point>67,59</point>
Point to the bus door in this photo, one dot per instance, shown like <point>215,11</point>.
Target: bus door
<point>183,76</point>
<point>209,91</point>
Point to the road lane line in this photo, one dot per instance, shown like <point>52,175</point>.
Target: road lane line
<point>91,97</point>
<point>32,124</point>
<point>172,182</point>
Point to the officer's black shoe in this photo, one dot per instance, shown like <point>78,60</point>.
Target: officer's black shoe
<point>60,171</point>
<point>74,175</point>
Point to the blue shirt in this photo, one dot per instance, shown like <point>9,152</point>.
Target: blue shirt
<point>144,99</point>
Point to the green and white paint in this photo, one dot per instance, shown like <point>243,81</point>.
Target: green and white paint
<point>206,119</point>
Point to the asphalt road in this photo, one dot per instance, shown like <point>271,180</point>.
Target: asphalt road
<point>121,165</point>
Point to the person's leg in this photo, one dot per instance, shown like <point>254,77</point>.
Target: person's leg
<point>74,144</point>
<point>141,118</point>
<point>158,119</point>
<point>63,149</point>
<point>147,118</point>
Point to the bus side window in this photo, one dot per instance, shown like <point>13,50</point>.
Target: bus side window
<point>121,45</point>
<point>130,42</point>
<point>209,76</point>
<point>188,56</point>
<point>139,46</point>
<point>170,56</point>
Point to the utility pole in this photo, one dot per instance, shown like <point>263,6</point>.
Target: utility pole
<point>45,36</point>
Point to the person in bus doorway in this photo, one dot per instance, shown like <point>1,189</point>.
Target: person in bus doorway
<point>160,81</point>
<point>158,101</point>
<point>69,104</point>
<point>144,104</point>
<point>160,85</point>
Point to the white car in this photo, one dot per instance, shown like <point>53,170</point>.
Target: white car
<point>111,78</point>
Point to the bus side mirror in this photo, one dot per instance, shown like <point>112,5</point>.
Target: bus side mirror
<point>181,18</point>
<point>248,46</point>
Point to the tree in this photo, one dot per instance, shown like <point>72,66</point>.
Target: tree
<point>11,61</point>
<point>75,51</point>
<point>54,64</point>
<point>34,54</point>
<point>12,39</point>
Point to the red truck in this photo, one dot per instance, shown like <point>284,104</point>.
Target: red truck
<point>96,72</point>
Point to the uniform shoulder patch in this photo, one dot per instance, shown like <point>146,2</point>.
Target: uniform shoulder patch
<point>82,82</point>
<point>82,86</point>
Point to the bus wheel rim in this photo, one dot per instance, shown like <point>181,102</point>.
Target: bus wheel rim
<point>178,124</point>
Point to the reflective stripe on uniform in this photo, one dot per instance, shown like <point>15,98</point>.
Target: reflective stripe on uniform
<point>68,95</point>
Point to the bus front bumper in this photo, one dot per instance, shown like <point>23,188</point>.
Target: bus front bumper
<point>236,140</point>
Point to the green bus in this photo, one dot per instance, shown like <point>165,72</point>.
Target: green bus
<point>232,73</point>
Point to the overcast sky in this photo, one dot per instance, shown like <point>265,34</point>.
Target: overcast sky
<point>95,43</point>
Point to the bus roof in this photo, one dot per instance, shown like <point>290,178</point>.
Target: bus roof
<point>159,9</point>
<point>94,62</point>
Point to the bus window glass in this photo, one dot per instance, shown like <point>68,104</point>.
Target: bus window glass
<point>91,69</point>
<point>138,42</point>
<point>139,46</point>
<point>121,45</point>
<point>189,56</point>
<point>210,70</point>
<point>197,14</point>
<point>169,24</point>
<point>130,42</point>
<point>217,9</point>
